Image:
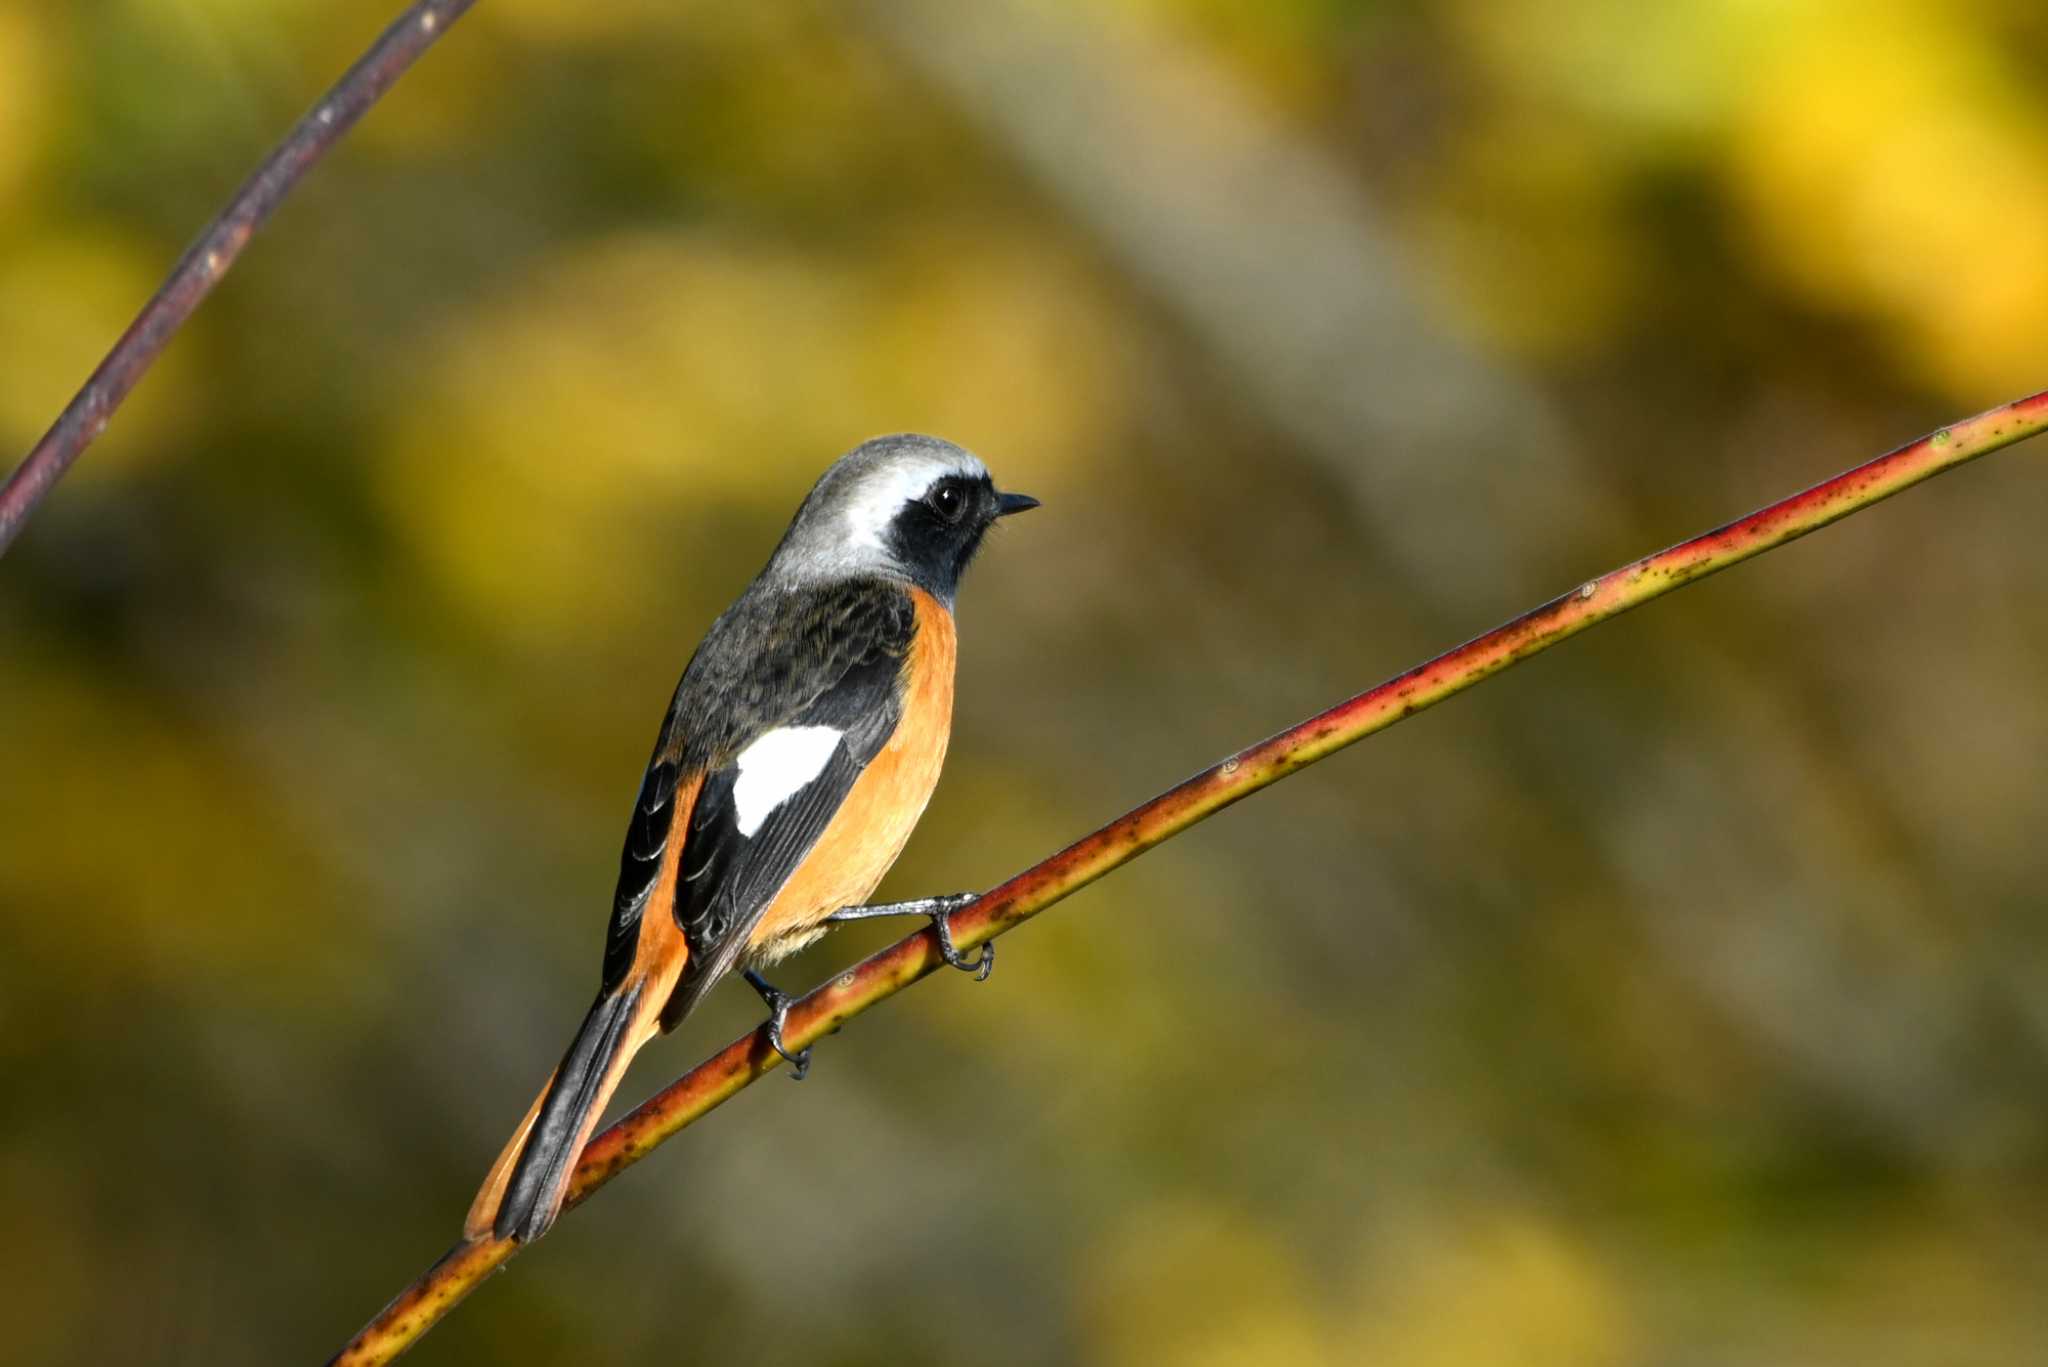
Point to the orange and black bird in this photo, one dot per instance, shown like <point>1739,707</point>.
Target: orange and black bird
<point>798,752</point>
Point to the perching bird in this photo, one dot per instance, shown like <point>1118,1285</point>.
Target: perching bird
<point>800,748</point>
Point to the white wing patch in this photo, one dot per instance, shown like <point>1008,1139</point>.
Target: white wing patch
<point>775,768</point>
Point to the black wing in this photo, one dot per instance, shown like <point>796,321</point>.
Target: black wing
<point>647,837</point>
<point>829,657</point>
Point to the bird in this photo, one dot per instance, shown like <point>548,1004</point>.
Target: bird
<point>799,750</point>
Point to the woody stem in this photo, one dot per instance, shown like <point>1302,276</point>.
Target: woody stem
<point>884,974</point>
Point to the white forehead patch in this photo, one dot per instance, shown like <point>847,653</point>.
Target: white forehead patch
<point>775,769</point>
<point>883,491</point>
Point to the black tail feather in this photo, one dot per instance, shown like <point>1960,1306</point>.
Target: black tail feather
<point>540,1180</point>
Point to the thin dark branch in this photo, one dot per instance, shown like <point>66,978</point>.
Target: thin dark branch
<point>208,259</point>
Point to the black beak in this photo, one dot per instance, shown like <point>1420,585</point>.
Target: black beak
<point>1014,503</point>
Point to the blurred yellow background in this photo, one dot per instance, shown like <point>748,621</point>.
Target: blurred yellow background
<point>1681,998</point>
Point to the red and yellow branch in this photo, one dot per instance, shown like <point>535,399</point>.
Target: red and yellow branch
<point>701,1090</point>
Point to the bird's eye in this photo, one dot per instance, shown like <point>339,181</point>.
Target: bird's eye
<point>947,501</point>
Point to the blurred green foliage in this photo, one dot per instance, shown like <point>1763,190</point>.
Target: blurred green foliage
<point>1675,999</point>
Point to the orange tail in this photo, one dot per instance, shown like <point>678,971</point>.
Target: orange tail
<point>524,1191</point>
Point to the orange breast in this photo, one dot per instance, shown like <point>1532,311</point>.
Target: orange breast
<point>871,826</point>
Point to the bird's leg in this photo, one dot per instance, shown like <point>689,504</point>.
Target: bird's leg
<point>938,910</point>
<point>778,1012</point>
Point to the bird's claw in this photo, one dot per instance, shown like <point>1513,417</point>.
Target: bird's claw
<point>980,966</point>
<point>939,911</point>
<point>778,1015</point>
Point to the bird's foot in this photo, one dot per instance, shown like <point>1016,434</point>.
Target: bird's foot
<point>939,910</point>
<point>778,1015</point>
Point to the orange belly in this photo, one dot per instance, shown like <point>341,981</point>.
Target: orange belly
<point>871,826</point>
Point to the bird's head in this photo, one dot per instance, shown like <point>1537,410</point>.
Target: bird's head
<point>909,507</point>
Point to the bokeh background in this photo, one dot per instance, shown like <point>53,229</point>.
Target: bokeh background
<point>1680,998</point>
